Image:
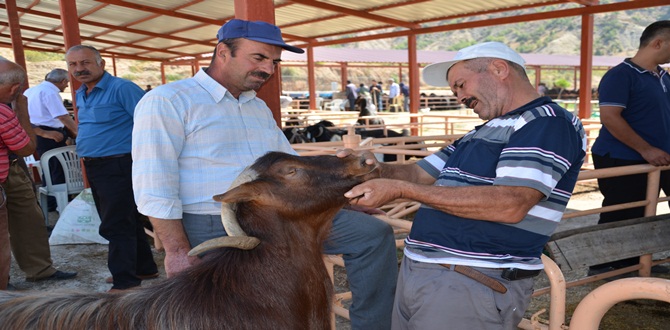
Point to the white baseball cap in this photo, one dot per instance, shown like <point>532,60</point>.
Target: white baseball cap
<point>436,73</point>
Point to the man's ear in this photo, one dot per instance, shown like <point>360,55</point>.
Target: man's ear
<point>222,50</point>
<point>500,68</point>
<point>14,89</point>
<point>656,43</point>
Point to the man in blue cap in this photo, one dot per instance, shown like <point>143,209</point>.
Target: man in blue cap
<point>193,137</point>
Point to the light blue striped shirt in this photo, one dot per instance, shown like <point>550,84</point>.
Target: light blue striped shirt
<point>190,141</point>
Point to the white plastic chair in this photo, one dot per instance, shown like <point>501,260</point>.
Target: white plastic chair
<point>334,105</point>
<point>319,103</point>
<point>74,180</point>
<point>34,164</point>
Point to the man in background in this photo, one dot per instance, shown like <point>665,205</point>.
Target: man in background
<point>394,91</point>
<point>15,135</point>
<point>404,90</point>
<point>51,121</point>
<point>352,95</point>
<point>376,94</point>
<point>106,105</point>
<point>634,99</point>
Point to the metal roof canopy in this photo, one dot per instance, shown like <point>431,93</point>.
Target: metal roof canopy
<point>335,55</point>
<point>165,30</point>
<point>173,30</point>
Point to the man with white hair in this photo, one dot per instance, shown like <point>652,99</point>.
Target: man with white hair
<point>52,122</point>
<point>16,136</point>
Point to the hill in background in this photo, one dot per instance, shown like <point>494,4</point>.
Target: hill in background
<point>615,33</point>
<point>140,72</point>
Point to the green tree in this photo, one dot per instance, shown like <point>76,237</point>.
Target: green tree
<point>562,84</point>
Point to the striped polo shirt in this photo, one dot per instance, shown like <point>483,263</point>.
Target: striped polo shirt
<point>541,146</point>
<point>12,137</point>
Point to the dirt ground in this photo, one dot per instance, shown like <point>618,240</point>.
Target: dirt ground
<point>89,260</point>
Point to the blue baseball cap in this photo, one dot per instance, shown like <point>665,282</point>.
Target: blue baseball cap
<point>257,31</point>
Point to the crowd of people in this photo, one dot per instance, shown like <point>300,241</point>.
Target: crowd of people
<point>490,201</point>
<point>396,100</point>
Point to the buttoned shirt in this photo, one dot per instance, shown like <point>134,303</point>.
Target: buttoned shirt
<point>394,90</point>
<point>106,116</point>
<point>191,140</point>
<point>45,105</point>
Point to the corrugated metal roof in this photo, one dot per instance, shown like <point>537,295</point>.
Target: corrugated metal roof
<point>345,55</point>
<point>171,29</point>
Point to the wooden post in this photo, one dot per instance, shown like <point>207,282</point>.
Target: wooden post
<point>263,10</point>
<point>351,140</point>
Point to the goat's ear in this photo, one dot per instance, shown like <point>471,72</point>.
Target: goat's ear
<point>243,193</point>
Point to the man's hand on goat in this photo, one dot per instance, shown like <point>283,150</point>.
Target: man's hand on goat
<point>374,193</point>
<point>176,262</point>
<point>370,158</point>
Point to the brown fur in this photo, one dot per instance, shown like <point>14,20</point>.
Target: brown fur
<point>280,284</point>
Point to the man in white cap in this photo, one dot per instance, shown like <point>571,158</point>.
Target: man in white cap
<point>490,201</point>
<point>193,137</point>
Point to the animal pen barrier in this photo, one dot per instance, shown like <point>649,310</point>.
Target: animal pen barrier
<point>640,288</point>
<point>429,126</point>
<point>433,123</point>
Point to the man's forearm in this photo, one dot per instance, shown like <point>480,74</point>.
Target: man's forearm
<point>20,106</point>
<point>176,244</point>
<point>406,172</point>
<point>172,235</point>
<point>69,124</point>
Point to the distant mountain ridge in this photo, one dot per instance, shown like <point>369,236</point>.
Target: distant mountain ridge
<point>615,34</point>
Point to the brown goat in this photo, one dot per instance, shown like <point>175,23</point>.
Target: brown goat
<point>279,284</point>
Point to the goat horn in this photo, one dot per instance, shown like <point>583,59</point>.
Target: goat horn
<point>240,242</point>
<point>228,217</point>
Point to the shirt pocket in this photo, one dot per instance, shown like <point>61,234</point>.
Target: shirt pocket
<point>104,113</point>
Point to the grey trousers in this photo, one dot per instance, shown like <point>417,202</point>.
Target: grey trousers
<point>432,297</point>
<point>368,248</point>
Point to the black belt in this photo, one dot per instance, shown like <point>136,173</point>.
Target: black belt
<point>94,159</point>
<point>49,128</point>
<point>513,274</point>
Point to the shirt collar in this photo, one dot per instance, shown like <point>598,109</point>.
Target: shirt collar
<point>542,100</point>
<point>102,84</point>
<point>659,70</point>
<point>51,86</point>
<point>217,91</point>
